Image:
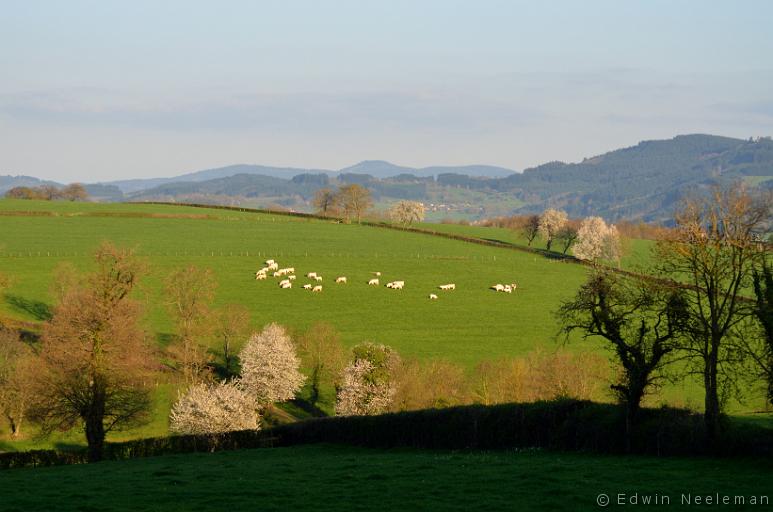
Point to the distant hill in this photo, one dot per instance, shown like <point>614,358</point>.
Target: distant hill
<point>376,168</point>
<point>9,182</point>
<point>641,182</point>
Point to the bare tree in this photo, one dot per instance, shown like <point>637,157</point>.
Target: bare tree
<point>368,384</point>
<point>95,361</point>
<point>641,320</point>
<point>530,228</point>
<point>567,236</point>
<point>325,201</point>
<point>714,248</point>
<point>74,192</point>
<point>407,212</point>
<point>270,367</point>
<point>431,384</point>
<point>191,291</point>
<point>355,200</point>
<point>18,365</point>
<point>550,223</point>
<point>231,323</point>
<point>214,409</point>
<point>323,355</point>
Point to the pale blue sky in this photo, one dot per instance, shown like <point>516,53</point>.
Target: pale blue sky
<point>96,90</point>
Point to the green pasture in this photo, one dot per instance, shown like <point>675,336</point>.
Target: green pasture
<point>464,326</point>
<point>327,477</point>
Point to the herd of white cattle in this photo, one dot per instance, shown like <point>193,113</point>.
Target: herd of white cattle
<point>289,276</point>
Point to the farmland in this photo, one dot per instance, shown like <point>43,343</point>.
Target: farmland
<point>466,326</point>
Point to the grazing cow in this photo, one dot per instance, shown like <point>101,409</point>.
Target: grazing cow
<point>450,286</point>
<point>508,289</point>
<point>291,278</point>
<point>284,282</point>
<point>432,296</point>
<point>373,282</point>
<point>260,277</point>
<point>273,266</point>
<point>341,279</point>
<point>311,275</point>
<point>288,284</point>
<point>498,287</point>
<point>270,262</point>
<point>317,288</point>
<point>307,287</point>
<point>318,279</point>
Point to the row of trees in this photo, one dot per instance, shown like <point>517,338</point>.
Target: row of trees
<point>696,309</point>
<point>371,379</point>
<point>348,201</point>
<point>71,192</point>
<point>591,239</point>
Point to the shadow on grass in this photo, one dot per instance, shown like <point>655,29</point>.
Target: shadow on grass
<point>536,250</point>
<point>38,310</point>
<point>68,447</point>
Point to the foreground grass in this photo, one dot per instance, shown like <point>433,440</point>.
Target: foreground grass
<point>324,477</point>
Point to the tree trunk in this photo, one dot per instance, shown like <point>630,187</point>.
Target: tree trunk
<point>711,412</point>
<point>548,244</point>
<point>227,358</point>
<point>15,427</point>
<point>315,384</point>
<point>95,427</point>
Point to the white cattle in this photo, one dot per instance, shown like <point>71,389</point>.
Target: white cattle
<point>377,274</point>
<point>277,274</point>
<point>307,287</point>
<point>396,285</point>
<point>373,282</point>
<point>317,288</point>
<point>270,262</point>
<point>273,266</point>
<point>498,287</point>
<point>311,275</point>
<point>284,282</point>
<point>260,277</point>
<point>341,279</point>
<point>288,284</point>
<point>508,289</point>
<point>292,277</point>
<point>318,279</point>
<point>449,286</point>
<point>513,286</point>
<point>432,296</point>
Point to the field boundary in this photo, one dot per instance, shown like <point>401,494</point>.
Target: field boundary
<point>564,425</point>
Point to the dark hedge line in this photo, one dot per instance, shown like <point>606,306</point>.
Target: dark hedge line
<point>569,425</point>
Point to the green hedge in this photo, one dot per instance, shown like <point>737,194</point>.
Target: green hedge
<point>569,425</point>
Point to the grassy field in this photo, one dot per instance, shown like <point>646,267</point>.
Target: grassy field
<point>466,326</point>
<point>325,477</point>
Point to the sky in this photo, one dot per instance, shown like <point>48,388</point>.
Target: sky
<point>96,91</point>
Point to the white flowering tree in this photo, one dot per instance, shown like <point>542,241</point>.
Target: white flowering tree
<point>550,223</point>
<point>214,409</point>
<point>597,241</point>
<point>367,385</point>
<point>270,366</point>
<point>407,212</point>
